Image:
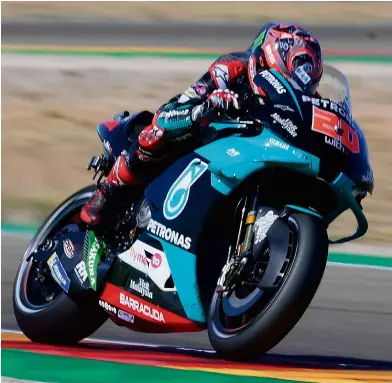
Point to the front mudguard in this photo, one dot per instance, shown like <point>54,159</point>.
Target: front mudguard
<point>272,226</point>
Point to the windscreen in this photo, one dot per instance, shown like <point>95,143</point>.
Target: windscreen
<point>334,86</point>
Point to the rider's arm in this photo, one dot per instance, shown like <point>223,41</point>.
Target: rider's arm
<point>178,115</point>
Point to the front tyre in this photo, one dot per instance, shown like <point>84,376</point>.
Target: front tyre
<point>43,311</point>
<point>248,336</point>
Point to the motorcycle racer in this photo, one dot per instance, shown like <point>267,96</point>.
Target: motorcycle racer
<point>177,126</point>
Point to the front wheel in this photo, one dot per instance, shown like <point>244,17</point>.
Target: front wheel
<point>43,311</point>
<point>249,320</point>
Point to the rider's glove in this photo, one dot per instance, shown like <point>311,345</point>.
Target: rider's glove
<point>223,100</point>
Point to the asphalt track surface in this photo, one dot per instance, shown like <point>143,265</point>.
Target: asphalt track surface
<point>210,35</point>
<point>350,316</point>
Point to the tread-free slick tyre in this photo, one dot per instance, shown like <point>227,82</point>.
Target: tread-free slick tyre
<point>63,321</point>
<point>290,303</point>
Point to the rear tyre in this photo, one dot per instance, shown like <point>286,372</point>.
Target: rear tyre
<point>44,313</point>
<point>285,308</point>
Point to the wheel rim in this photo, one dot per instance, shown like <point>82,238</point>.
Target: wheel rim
<point>239,309</point>
<point>39,293</point>
<point>28,301</point>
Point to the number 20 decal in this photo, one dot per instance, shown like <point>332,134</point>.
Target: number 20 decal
<point>329,124</point>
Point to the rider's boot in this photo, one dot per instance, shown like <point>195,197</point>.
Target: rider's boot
<point>101,207</point>
<point>100,210</point>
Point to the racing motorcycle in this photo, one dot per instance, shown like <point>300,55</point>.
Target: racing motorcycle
<point>231,237</point>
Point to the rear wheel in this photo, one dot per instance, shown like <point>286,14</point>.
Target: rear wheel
<point>255,314</point>
<point>43,311</point>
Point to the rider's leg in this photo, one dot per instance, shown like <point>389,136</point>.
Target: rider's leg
<point>109,192</point>
<point>155,149</point>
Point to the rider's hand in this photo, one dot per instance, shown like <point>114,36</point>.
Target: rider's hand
<point>223,100</point>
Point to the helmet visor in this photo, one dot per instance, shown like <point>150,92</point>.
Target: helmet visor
<point>303,73</point>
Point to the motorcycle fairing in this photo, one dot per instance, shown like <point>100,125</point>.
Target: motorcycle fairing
<point>197,199</point>
<point>147,316</point>
<point>208,189</point>
<point>257,153</point>
<point>136,265</point>
<point>214,171</point>
<point>181,236</point>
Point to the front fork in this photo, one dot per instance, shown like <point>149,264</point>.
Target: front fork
<point>238,258</point>
<point>248,224</point>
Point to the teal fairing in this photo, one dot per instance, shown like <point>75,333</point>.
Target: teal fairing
<point>234,159</point>
<point>268,150</point>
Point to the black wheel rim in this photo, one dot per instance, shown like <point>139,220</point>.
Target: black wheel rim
<point>237,310</point>
<point>39,289</point>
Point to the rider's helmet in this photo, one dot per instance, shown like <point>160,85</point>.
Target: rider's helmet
<point>290,50</point>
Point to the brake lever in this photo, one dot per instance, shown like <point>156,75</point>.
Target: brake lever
<point>100,165</point>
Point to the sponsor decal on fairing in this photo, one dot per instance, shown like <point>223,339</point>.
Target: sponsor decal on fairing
<point>327,104</point>
<point>337,132</point>
<point>335,143</point>
<point>233,152</point>
<point>107,307</point>
<point>285,108</point>
<point>127,317</point>
<point>142,287</point>
<point>92,262</point>
<point>286,124</point>
<point>279,144</point>
<point>142,308</point>
<point>169,235</point>
<point>81,272</point>
<point>69,248</point>
<point>150,261</point>
<point>58,272</point>
<point>177,196</point>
